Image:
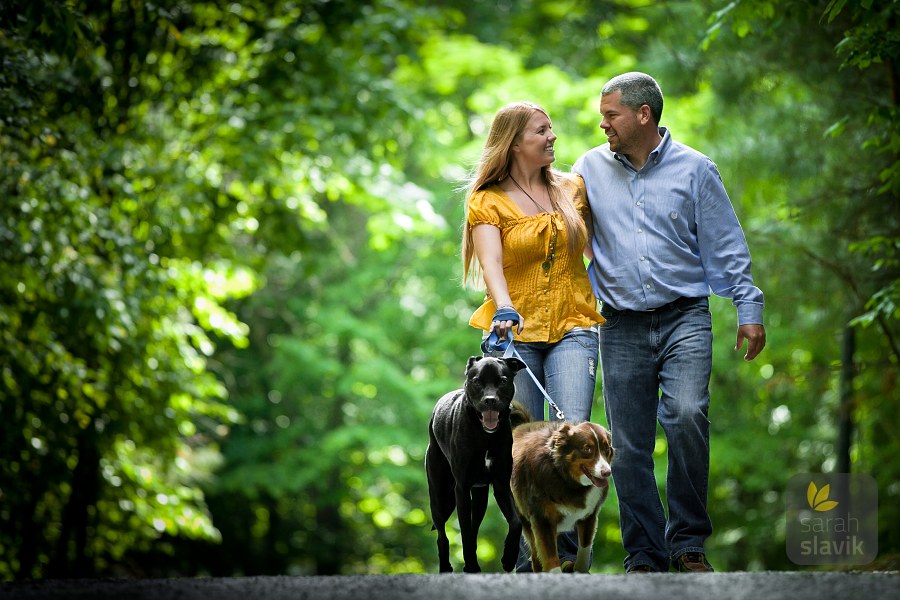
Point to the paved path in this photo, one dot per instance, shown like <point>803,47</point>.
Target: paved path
<point>670,586</point>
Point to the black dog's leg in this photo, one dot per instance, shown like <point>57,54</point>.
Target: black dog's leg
<point>466,529</point>
<point>504,498</point>
<point>443,502</point>
<point>479,506</point>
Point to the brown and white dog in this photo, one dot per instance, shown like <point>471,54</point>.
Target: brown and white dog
<point>560,479</point>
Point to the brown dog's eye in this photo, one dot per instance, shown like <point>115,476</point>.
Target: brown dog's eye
<point>588,450</point>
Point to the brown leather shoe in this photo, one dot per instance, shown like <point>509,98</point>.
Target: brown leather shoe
<point>693,562</point>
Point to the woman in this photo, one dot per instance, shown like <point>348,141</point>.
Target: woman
<point>527,225</point>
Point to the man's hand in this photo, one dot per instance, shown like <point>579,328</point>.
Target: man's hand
<point>756,340</point>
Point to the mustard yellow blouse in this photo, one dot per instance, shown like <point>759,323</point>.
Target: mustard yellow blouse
<point>553,296</point>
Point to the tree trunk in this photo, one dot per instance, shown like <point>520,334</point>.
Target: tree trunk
<point>845,409</point>
<point>72,558</point>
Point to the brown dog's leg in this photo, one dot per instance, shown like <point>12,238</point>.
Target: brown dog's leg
<point>546,550</point>
<point>529,537</point>
<point>587,529</point>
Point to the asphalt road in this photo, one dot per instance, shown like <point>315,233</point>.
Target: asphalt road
<point>669,586</point>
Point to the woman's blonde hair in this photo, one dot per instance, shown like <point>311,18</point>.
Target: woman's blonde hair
<point>494,166</point>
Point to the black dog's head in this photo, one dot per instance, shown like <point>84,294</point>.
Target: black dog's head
<point>489,387</point>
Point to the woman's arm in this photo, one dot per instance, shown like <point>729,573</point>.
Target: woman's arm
<point>489,250</point>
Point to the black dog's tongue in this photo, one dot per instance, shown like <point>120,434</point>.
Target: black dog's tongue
<point>490,419</point>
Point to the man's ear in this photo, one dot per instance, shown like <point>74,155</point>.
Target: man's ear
<point>646,114</point>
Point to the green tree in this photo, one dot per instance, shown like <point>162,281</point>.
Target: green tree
<point>229,238</point>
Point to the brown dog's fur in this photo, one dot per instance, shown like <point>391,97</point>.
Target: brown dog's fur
<point>560,479</point>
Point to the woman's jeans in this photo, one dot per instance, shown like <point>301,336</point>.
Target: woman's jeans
<point>568,371</point>
<point>656,367</point>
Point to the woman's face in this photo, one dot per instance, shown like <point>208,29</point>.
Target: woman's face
<point>535,144</point>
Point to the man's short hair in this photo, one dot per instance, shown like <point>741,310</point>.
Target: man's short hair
<point>637,89</point>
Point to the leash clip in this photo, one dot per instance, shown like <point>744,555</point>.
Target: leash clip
<point>511,351</point>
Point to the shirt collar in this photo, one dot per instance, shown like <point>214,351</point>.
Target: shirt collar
<point>655,155</point>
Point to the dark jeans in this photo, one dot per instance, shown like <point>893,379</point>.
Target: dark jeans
<point>656,367</point>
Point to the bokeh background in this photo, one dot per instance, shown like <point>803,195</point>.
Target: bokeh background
<point>230,278</point>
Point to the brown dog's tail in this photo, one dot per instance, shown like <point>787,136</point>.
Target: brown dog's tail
<point>519,415</point>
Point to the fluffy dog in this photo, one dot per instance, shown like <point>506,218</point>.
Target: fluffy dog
<point>560,479</point>
<point>469,448</point>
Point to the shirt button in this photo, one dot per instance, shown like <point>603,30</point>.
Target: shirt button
<point>643,258</point>
<point>647,286</point>
<point>640,231</point>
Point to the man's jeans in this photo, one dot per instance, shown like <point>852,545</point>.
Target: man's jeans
<point>656,366</point>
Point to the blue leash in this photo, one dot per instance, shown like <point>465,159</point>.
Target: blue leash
<point>493,343</point>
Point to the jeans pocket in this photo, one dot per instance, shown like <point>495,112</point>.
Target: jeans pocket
<point>586,337</point>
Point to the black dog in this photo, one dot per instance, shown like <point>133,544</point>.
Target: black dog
<point>469,448</point>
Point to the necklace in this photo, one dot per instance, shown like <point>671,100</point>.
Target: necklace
<point>551,251</point>
<point>529,195</point>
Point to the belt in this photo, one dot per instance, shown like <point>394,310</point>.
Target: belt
<point>682,302</point>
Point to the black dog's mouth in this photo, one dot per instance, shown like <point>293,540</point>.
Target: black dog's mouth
<point>490,420</point>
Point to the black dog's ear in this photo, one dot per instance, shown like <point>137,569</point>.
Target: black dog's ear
<point>514,363</point>
<point>472,361</point>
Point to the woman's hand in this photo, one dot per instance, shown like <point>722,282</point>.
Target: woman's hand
<point>502,327</point>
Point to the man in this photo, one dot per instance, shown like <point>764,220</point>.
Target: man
<point>664,234</point>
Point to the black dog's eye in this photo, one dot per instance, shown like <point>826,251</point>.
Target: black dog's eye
<point>504,379</point>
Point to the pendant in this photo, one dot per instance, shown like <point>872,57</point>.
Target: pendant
<point>545,265</point>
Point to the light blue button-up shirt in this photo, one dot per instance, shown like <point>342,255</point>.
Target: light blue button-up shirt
<point>665,231</point>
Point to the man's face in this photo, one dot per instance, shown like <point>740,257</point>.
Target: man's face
<point>620,123</point>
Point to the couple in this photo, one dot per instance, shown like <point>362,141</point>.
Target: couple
<point>653,217</point>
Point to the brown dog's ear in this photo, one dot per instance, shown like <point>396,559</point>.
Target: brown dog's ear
<point>605,435</point>
<point>561,437</point>
<point>602,433</point>
<point>514,363</point>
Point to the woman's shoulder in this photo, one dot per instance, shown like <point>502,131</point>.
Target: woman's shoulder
<point>490,196</point>
<point>571,183</point>
<point>570,179</point>
<point>490,192</point>
<point>490,205</point>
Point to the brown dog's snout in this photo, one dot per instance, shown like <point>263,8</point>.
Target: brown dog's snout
<point>605,471</point>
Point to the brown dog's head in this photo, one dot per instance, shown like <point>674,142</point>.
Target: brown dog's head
<point>489,388</point>
<point>585,451</point>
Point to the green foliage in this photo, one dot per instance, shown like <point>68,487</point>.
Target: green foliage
<point>230,285</point>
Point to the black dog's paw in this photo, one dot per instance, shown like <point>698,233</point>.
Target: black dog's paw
<point>472,568</point>
<point>509,564</point>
